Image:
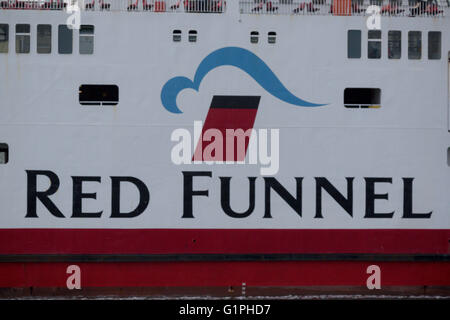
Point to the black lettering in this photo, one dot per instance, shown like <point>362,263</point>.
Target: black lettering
<point>43,196</point>
<point>144,197</point>
<point>225,198</point>
<point>371,196</point>
<point>345,202</point>
<point>408,201</point>
<point>294,203</point>
<point>78,197</point>
<point>189,193</point>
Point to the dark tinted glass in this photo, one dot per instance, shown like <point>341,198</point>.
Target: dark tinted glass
<point>354,44</point>
<point>65,36</point>
<point>362,97</point>
<point>98,94</point>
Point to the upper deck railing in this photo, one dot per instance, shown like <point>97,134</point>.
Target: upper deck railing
<point>393,8</point>
<point>175,6</point>
<point>410,8</point>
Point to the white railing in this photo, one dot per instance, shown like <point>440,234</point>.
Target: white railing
<point>416,8</point>
<point>345,7</point>
<point>191,6</point>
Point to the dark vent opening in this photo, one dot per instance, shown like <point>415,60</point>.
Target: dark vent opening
<point>362,98</point>
<point>107,95</point>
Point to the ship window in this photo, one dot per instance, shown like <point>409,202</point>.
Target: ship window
<point>96,95</point>
<point>414,45</point>
<point>374,44</point>
<point>192,36</point>
<point>434,45</point>
<point>448,157</point>
<point>272,37</point>
<point>394,44</point>
<point>362,98</point>
<point>22,38</point>
<point>65,36</point>
<point>86,39</point>
<point>176,35</point>
<point>44,38</point>
<point>4,153</point>
<point>254,37</point>
<point>4,38</point>
<point>354,44</point>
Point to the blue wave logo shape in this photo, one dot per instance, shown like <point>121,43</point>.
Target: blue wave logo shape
<point>236,57</point>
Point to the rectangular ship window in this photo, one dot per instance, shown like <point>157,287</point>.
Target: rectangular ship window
<point>394,44</point>
<point>22,38</point>
<point>86,39</point>
<point>192,36</point>
<point>272,37</point>
<point>414,45</point>
<point>4,153</point>
<point>4,38</point>
<point>362,98</point>
<point>374,44</point>
<point>448,157</point>
<point>354,44</point>
<point>65,39</point>
<point>98,94</point>
<point>254,37</point>
<point>176,35</point>
<point>434,45</point>
<point>44,38</point>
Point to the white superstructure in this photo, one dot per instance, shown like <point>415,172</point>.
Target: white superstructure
<point>388,158</point>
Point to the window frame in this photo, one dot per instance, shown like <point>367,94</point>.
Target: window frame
<point>352,47</point>
<point>374,41</point>
<point>85,36</point>
<point>6,38</point>
<point>177,35</point>
<point>254,37</point>
<point>271,37</point>
<point>192,35</point>
<point>26,39</point>
<point>390,54</point>
<point>410,56</point>
<point>64,30</point>
<point>439,51</point>
<point>38,41</point>
<point>4,149</point>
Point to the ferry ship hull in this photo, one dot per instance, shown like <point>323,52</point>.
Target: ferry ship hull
<point>98,186</point>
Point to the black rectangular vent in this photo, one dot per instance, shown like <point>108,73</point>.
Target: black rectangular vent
<point>99,94</point>
<point>362,98</point>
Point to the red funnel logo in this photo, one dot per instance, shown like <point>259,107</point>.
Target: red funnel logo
<point>232,118</point>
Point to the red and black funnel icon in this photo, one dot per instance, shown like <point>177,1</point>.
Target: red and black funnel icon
<point>231,119</point>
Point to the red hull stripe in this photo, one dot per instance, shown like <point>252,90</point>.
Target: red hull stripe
<point>216,241</point>
<point>218,274</point>
<point>223,257</point>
